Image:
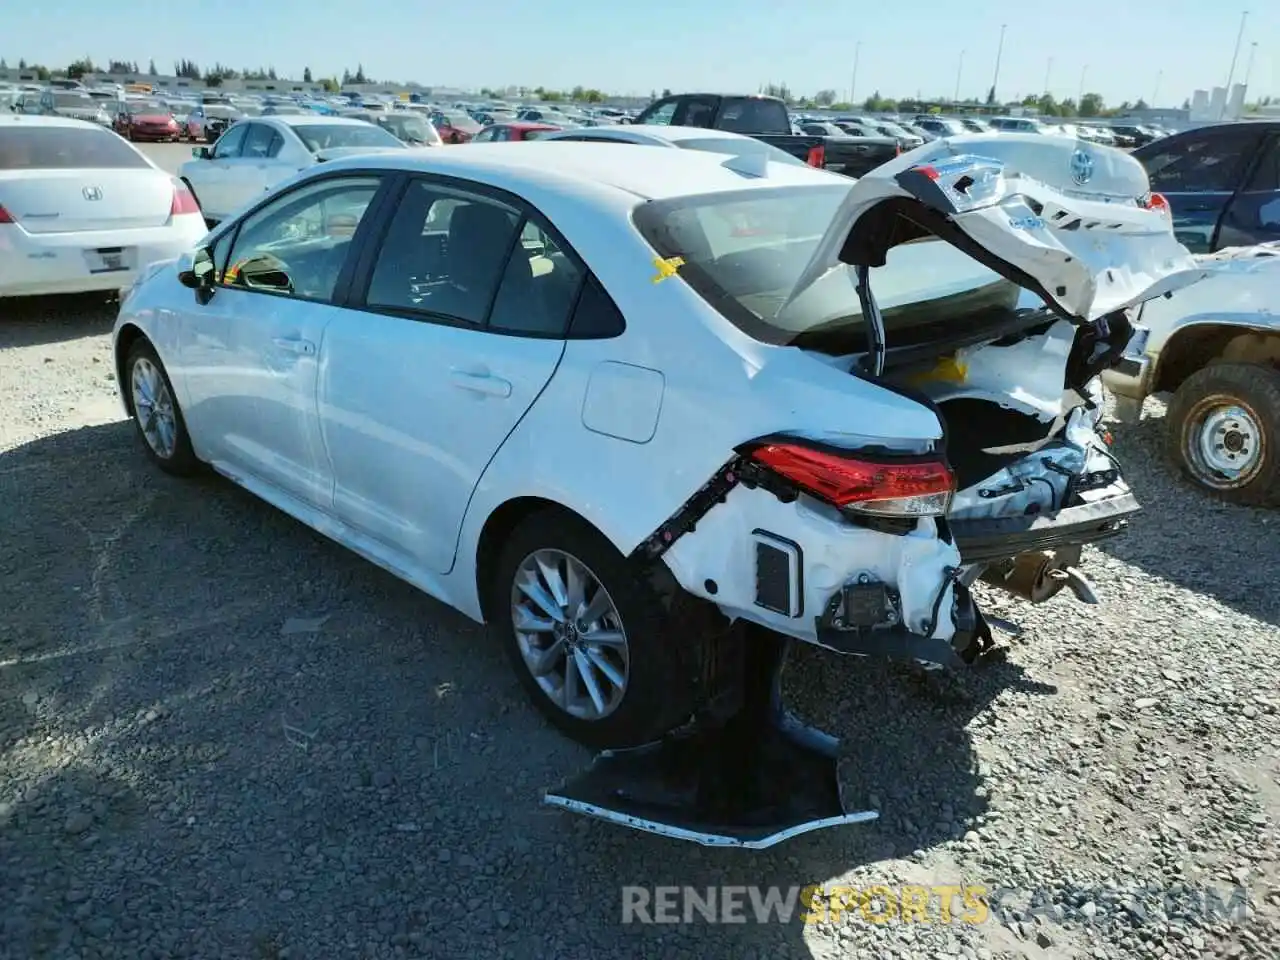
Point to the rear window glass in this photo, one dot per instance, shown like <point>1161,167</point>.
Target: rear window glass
<point>324,136</point>
<point>745,253</point>
<point>64,148</point>
<point>753,115</point>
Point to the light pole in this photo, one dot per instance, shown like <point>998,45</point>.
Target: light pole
<point>1155,96</point>
<point>1235,55</point>
<point>1048,72</point>
<point>1084,72</point>
<point>853,81</point>
<point>959,71</point>
<point>995,80</point>
<point>1248,70</point>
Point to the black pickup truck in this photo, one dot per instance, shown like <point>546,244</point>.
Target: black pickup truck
<point>766,119</point>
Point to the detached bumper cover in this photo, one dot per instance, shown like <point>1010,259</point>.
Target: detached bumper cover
<point>982,541</point>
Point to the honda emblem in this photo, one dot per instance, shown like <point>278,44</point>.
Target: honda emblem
<point>93,193</point>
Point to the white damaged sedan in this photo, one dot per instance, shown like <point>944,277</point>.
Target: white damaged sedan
<point>610,401</point>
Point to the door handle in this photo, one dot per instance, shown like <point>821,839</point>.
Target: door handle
<point>296,345</point>
<point>481,383</point>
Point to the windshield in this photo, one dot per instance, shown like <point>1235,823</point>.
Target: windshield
<point>325,136</point>
<point>146,107</point>
<point>460,121</point>
<point>744,251</point>
<point>221,113</point>
<point>891,129</point>
<point>745,147</point>
<point>82,100</point>
<point>410,128</point>
<point>65,148</point>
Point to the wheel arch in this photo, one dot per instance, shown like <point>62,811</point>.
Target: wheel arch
<point>507,516</point>
<point>1197,344</point>
<point>128,335</point>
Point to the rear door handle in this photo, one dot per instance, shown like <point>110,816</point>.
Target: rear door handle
<point>482,383</point>
<point>296,345</point>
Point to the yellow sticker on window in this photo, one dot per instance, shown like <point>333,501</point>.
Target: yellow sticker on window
<point>667,267</point>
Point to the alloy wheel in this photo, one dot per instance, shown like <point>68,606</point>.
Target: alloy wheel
<point>570,634</point>
<point>154,409</point>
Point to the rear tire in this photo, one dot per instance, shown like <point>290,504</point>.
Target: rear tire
<point>660,656</point>
<point>1224,431</point>
<point>156,414</point>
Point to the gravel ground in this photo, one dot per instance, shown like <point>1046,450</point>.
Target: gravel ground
<point>223,736</point>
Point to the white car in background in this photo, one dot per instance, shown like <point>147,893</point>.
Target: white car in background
<point>256,154</point>
<point>685,138</point>
<point>82,210</point>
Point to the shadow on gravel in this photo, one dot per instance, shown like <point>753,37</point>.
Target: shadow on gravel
<point>1187,537</point>
<point>28,321</point>
<point>222,735</point>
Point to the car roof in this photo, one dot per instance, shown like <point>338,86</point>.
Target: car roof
<point>647,172</point>
<point>308,120</point>
<point>658,132</point>
<point>29,120</point>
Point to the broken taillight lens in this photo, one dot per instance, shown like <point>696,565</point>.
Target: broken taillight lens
<point>817,157</point>
<point>5,216</point>
<point>886,488</point>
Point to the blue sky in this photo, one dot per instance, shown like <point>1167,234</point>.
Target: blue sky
<point>723,45</point>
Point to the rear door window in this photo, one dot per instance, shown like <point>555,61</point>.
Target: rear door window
<point>1266,176</point>
<point>65,148</point>
<point>1212,161</point>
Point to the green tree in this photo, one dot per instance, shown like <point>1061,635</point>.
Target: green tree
<point>1091,105</point>
<point>824,98</point>
<point>1067,108</point>
<point>306,75</point>
<point>4,64</point>
<point>78,68</point>
<point>22,64</point>
<point>330,85</point>
<point>666,92</point>
<point>151,69</point>
<point>359,76</point>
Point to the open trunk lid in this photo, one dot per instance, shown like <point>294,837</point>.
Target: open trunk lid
<point>1063,218</point>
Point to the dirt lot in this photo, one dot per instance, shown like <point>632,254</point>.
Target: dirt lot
<point>222,736</point>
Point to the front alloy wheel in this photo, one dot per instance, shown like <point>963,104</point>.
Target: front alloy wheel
<point>1224,431</point>
<point>156,413</point>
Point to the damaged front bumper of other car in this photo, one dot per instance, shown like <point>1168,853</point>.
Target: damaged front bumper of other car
<point>874,552</point>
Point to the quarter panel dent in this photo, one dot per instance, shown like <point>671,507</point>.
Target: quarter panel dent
<point>719,553</point>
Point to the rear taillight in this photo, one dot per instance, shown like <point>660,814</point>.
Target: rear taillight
<point>885,488</point>
<point>184,200</point>
<point>1158,203</point>
<point>817,157</point>
<point>5,217</point>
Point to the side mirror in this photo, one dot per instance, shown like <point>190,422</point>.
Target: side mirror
<point>196,272</point>
<point>201,153</point>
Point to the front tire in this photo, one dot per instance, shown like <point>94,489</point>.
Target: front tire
<point>595,646</point>
<point>156,413</point>
<point>1224,431</point>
